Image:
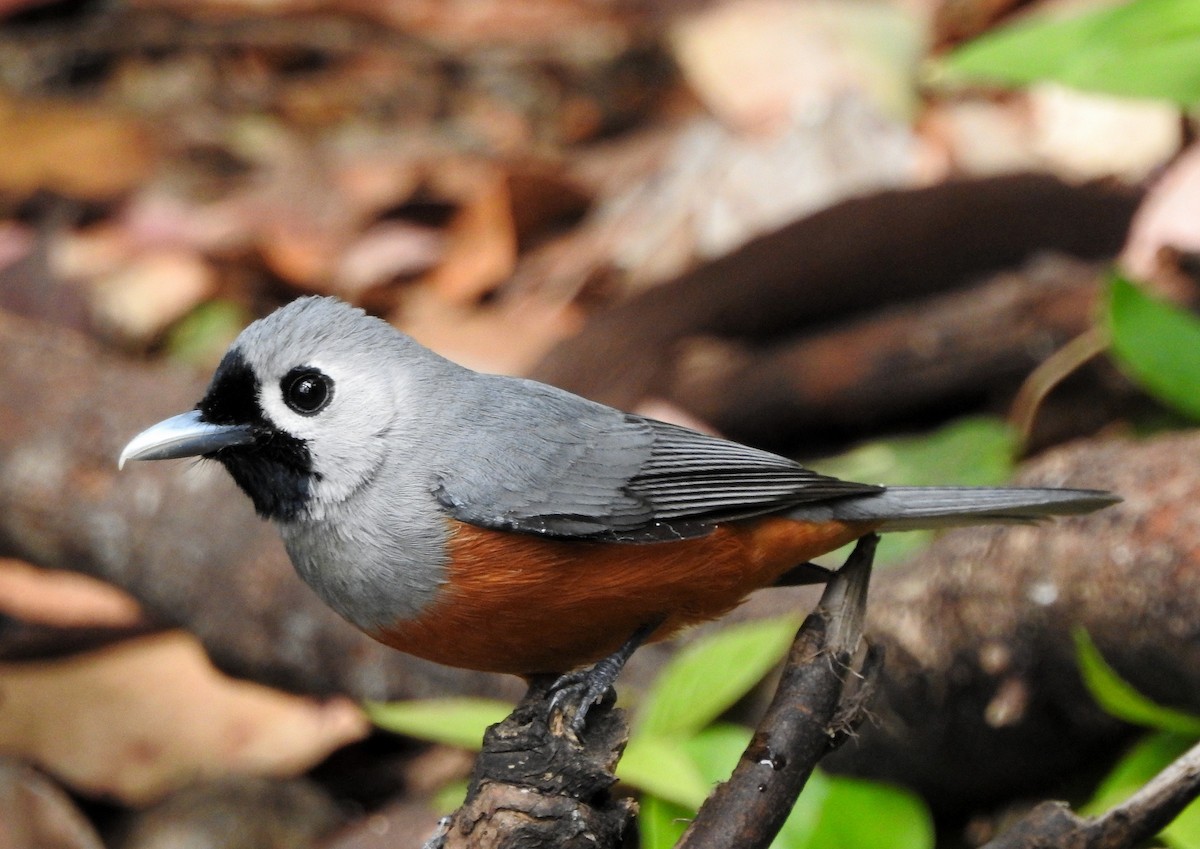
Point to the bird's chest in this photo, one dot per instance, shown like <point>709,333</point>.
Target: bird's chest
<point>371,572</point>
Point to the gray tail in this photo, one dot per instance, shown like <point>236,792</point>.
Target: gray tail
<point>908,508</point>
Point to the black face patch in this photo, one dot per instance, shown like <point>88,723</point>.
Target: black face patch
<point>275,470</point>
<point>232,396</point>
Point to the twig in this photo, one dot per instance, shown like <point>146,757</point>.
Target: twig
<point>1054,370</point>
<point>1149,810</point>
<point>1052,825</point>
<point>797,730</point>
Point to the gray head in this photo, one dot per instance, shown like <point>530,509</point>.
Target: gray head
<point>300,407</point>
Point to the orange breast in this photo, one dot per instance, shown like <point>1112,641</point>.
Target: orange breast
<point>524,604</point>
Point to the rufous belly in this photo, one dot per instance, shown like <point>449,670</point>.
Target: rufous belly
<point>524,604</point>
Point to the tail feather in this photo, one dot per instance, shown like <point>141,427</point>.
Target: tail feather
<point>905,508</point>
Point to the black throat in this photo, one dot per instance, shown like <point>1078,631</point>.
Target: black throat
<point>275,470</point>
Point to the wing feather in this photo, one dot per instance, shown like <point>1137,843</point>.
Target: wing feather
<point>700,477</point>
<point>582,470</point>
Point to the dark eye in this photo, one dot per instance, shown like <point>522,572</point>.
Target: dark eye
<point>307,390</point>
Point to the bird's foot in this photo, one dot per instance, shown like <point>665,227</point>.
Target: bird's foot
<point>575,693</point>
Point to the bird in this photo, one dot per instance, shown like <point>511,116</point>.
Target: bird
<point>500,524</point>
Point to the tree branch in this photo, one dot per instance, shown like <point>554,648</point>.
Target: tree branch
<point>537,784</point>
<point>801,724</point>
<point>1052,825</point>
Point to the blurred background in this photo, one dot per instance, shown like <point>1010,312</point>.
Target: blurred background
<point>905,241</point>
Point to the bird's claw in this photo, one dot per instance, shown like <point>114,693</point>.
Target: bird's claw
<point>585,688</point>
<point>574,694</point>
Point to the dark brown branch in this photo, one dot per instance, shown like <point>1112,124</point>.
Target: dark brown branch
<point>537,784</point>
<point>953,348</point>
<point>847,260</point>
<point>798,728</point>
<point>1151,809</point>
<point>24,641</point>
<point>1052,825</point>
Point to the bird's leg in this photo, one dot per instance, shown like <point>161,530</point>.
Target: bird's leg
<point>803,574</point>
<point>589,686</point>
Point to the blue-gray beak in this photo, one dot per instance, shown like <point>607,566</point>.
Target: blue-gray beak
<point>185,435</point>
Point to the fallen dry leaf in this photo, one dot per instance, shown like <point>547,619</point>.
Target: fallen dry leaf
<point>63,599</point>
<point>1167,218</point>
<point>87,253</point>
<point>481,244</point>
<point>718,189</point>
<point>300,219</point>
<point>519,22</point>
<point>301,251</point>
<point>374,181</point>
<point>75,150</point>
<point>980,137</point>
<point>1049,127</point>
<point>1082,135</point>
<point>386,251</point>
<point>958,20</point>
<point>508,337</point>
<point>138,719</point>
<point>138,302</point>
<point>543,201</point>
<point>16,242</point>
<point>756,63</point>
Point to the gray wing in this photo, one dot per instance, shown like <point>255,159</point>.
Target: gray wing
<point>575,469</point>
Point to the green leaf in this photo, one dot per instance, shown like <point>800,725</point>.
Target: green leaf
<point>802,823</point>
<point>717,749</point>
<point>712,755</point>
<point>202,336</point>
<point>857,814</point>
<point>829,812</point>
<point>973,451</point>
<point>450,797</point>
<point>1184,830</point>
<point>708,676</point>
<point>1120,699</point>
<point>1157,343</point>
<point>662,767</point>
<point>1145,48</point>
<point>453,722</point>
<point>661,823</point>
